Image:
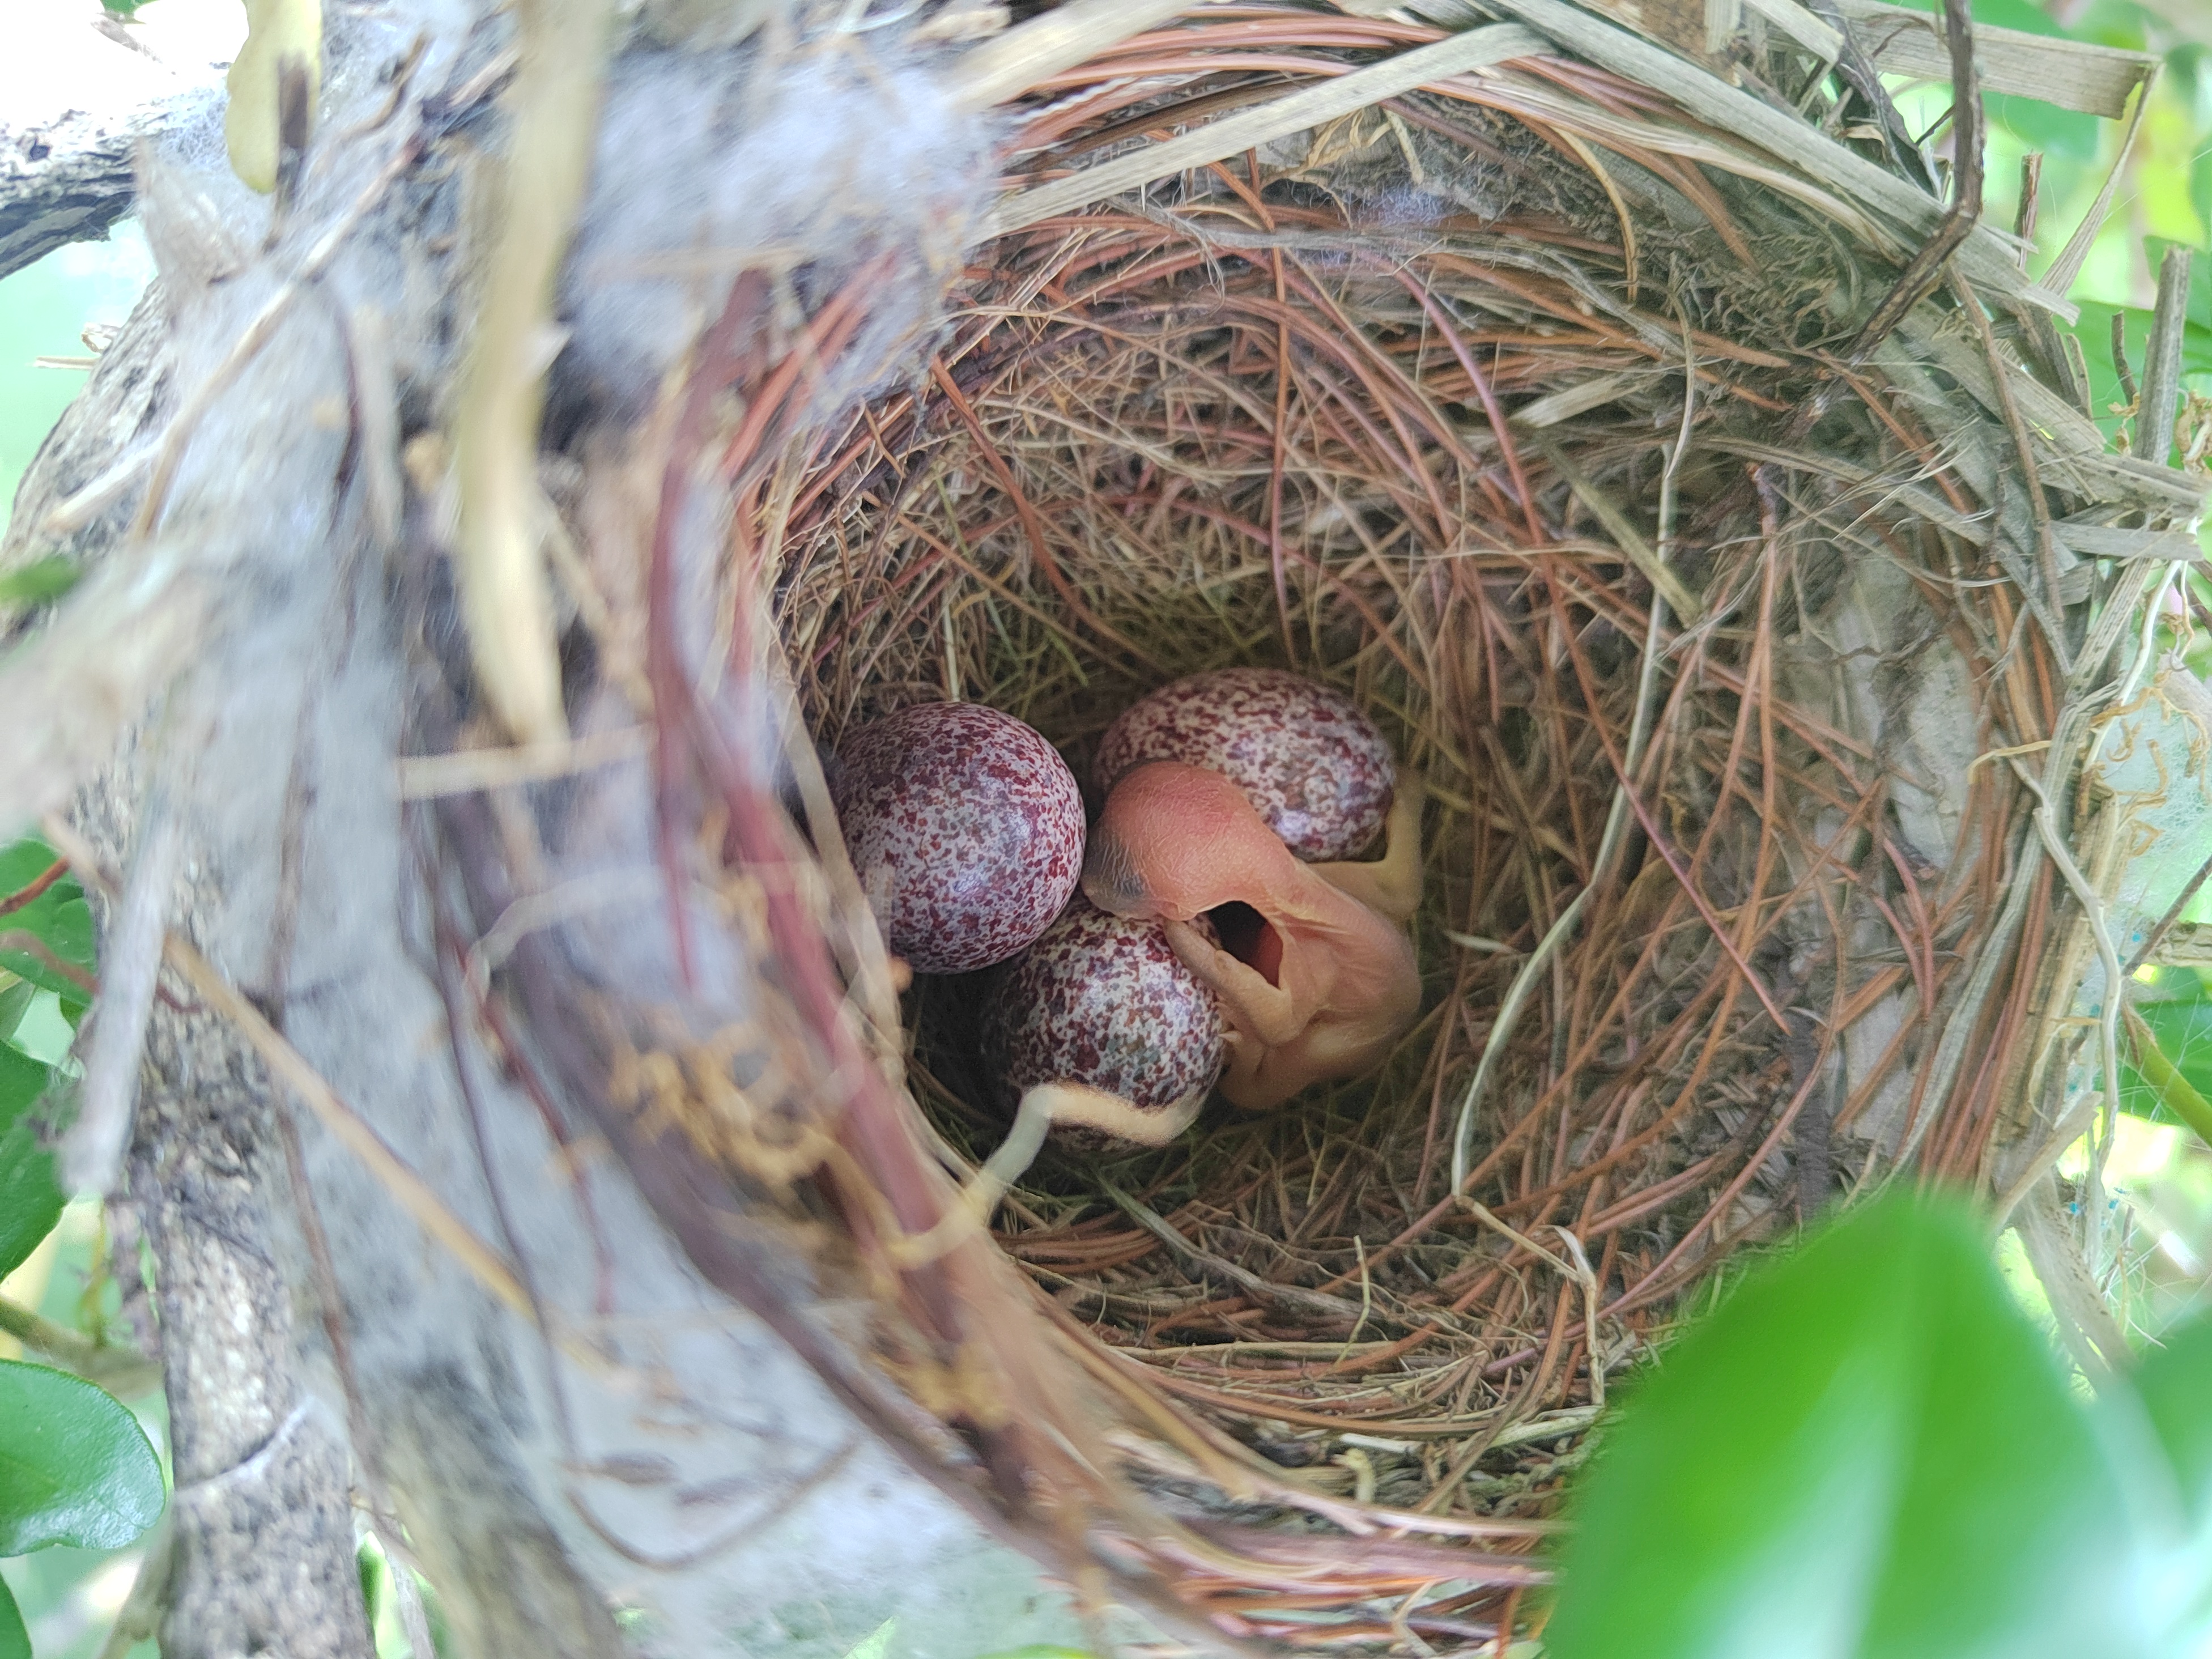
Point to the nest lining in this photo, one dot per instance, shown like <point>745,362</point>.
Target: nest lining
<point>1107,481</point>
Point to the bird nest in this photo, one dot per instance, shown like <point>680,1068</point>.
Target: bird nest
<point>1589,443</point>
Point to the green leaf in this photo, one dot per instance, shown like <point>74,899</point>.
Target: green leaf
<point>15,1640</point>
<point>368,1565</point>
<point>2169,1060</point>
<point>15,1003</point>
<point>75,1467</point>
<point>2094,331</point>
<point>2045,126</point>
<point>30,1198</point>
<point>2173,1386</point>
<point>58,918</point>
<point>2174,1381</point>
<point>63,925</point>
<point>22,863</point>
<point>2021,14</point>
<point>22,1080</point>
<point>1866,1451</point>
<point>38,581</point>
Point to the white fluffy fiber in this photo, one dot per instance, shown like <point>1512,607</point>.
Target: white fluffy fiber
<point>712,163</point>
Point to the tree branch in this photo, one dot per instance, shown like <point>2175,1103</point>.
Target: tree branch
<point>87,90</point>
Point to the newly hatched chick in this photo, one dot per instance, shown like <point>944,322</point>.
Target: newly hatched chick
<point>1317,983</point>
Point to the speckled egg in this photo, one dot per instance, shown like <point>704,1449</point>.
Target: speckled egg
<point>966,830</point>
<point>1103,1001</point>
<point>1306,757</point>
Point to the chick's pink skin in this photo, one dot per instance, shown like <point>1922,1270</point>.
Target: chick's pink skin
<point>1391,884</point>
<point>965,828</point>
<point>1313,764</point>
<point>1329,984</point>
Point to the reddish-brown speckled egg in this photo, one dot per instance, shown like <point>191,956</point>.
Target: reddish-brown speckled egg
<point>1305,755</point>
<point>966,830</point>
<point>1103,1002</point>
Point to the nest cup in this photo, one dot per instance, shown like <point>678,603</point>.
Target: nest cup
<point>1545,420</point>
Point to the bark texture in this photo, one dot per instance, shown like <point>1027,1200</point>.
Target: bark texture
<point>263,1529</point>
